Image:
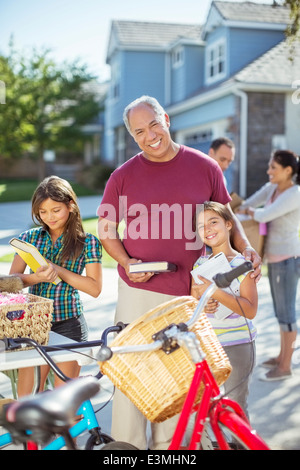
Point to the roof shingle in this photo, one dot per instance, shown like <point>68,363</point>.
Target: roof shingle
<point>275,67</point>
<point>132,33</point>
<point>253,12</point>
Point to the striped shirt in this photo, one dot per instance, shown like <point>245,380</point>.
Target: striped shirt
<point>234,329</point>
<point>67,302</point>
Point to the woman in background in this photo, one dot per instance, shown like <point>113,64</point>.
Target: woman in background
<point>277,204</point>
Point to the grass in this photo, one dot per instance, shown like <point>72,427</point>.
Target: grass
<point>14,190</point>
<point>90,226</point>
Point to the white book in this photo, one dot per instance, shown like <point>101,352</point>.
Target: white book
<point>215,265</point>
<point>152,266</point>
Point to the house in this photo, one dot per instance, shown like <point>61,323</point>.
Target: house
<point>232,76</point>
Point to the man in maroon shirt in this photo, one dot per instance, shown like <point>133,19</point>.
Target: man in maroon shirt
<point>157,192</point>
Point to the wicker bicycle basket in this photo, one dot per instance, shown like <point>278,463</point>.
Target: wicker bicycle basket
<point>29,319</point>
<point>156,382</point>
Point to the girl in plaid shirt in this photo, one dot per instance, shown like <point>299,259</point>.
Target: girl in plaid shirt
<point>60,238</point>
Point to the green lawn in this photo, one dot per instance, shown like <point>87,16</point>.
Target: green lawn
<point>90,226</point>
<point>22,190</point>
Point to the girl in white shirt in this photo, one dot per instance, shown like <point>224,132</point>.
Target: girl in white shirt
<point>236,332</point>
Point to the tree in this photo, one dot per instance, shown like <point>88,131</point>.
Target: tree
<point>46,105</point>
<point>293,30</point>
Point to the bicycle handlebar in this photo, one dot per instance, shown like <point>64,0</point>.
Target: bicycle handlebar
<point>224,280</point>
<point>14,343</point>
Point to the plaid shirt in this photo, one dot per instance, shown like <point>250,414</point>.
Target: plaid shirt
<point>67,302</point>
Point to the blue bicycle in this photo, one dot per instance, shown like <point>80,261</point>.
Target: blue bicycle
<point>31,435</point>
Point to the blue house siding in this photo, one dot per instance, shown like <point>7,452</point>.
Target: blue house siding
<point>187,77</point>
<point>145,75</point>
<point>140,74</point>
<point>212,111</point>
<point>194,70</point>
<point>244,46</point>
<point>178,86</point>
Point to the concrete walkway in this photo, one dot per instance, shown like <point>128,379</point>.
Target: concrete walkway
<point>274,406</point>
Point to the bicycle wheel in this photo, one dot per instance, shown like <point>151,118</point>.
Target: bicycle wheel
<point>96,440</point>
<point>244,437</point>
<point>118,445</point>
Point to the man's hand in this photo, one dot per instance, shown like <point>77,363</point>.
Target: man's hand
<point>137,277</point>
<point>250,255</point>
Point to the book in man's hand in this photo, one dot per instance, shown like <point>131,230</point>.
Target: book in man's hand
<point>31,255</point>
<point>152,267</point>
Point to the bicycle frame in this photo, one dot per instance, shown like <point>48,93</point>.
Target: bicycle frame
<point>87,423</point>
<point>218,409</point>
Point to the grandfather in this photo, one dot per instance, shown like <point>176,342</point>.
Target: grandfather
<point>156,192</point>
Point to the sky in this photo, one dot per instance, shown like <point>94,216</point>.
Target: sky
<point>74,29</point>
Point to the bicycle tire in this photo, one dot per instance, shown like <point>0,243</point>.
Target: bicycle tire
<point>93,441</point>
<point>119,445</point>
<point>245,438</point>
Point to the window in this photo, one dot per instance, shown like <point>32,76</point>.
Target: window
<point>198,138</point>
<point>120,145</point>
<point>115,81</point>
<point>215,61</point>
<point>178,56</point>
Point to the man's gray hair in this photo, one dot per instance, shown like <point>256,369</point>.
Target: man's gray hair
<point>150,101</point>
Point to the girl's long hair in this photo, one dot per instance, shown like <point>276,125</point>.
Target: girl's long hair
<point>60,190</point>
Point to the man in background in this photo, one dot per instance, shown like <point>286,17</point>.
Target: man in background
<point>222,150</point>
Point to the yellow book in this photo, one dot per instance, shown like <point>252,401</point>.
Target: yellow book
<point>30,254</point>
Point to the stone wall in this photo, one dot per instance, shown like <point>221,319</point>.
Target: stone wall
<point>266,118</point>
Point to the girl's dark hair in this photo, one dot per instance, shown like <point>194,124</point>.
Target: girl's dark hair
<point>60,190</point>
<point>287,158</point>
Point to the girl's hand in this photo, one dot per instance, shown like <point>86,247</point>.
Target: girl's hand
<point>46,273</point>
<point>211,306</point>
<point>198,289</point>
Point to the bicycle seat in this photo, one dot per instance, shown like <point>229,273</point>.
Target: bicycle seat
<point>39,417</point>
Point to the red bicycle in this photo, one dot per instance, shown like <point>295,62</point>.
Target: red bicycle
<point>214,411</point>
